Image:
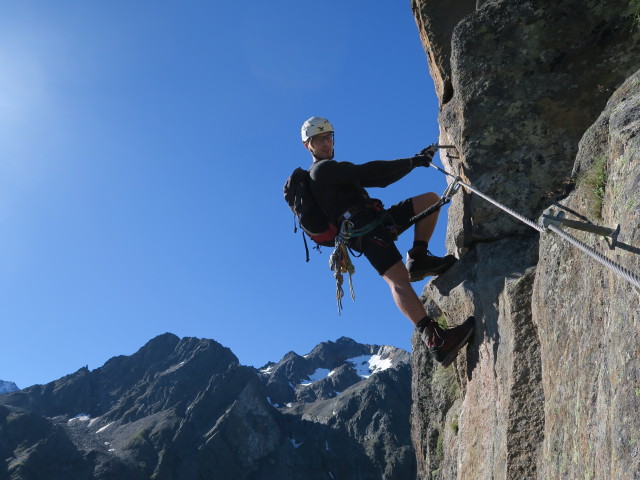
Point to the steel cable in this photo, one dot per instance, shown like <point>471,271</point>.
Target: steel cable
<point>610,264</point>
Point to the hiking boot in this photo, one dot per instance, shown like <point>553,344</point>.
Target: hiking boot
<point>426,264</point>
<point>445,343</point>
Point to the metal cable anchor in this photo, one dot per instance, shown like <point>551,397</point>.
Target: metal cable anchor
<point>549,217</point>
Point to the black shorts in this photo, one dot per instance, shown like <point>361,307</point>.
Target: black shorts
<point>378,246</point>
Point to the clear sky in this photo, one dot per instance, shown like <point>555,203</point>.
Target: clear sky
<point>143,150</point>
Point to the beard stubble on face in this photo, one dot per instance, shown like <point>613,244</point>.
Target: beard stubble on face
<point>323,153</point>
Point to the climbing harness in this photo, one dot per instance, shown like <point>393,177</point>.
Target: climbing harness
<point>552,223</point>
<point>340,262</point>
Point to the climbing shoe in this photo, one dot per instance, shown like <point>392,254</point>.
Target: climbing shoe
<point>425,264</point>
<point>445,343</point>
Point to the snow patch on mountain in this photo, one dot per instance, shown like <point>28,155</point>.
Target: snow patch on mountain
<point>367,365</point>
<point>81,417</point>
<point>319,374</point>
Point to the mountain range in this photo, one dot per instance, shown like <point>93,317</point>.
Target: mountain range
<point>184,408</point>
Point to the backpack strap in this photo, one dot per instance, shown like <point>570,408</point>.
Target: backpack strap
<point>306,247</point>
<point>295,230</point>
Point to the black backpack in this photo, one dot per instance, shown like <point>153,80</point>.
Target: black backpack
<point>311,218</point>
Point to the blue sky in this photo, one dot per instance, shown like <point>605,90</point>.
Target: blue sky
<point>143,149</point>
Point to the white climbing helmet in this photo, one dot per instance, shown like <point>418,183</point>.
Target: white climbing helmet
<point>314,126</point>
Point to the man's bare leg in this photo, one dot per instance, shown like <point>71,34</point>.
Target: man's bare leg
<point>443,344</point>
<point>424,228</point>
<point>403,294</point>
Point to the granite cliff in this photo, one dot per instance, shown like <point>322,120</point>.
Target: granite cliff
<point>542,101</point>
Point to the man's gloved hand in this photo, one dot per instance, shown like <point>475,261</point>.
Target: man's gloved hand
<point>423,159</point>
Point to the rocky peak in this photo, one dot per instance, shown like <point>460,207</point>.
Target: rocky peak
<point>184,363</point>
<point>334,353</point>
<point>330,368</point>
<point>7,387</point>
<point>165,352</point>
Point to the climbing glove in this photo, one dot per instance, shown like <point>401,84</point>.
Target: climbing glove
<point>423,159</point>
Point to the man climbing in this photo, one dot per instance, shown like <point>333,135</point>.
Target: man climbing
<point>339,189</point>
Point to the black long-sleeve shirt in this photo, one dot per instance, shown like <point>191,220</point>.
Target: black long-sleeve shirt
<point>340,186</point>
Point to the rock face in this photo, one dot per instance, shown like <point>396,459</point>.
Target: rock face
<point>591,424</point>
<point>185,408</point>
<point>542,101</point>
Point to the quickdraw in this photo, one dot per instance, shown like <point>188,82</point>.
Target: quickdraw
<point>449,192</point>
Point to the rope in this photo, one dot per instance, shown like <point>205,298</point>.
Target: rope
<point>352,232</point>
<point>611,265</point>
<point>340,262</point>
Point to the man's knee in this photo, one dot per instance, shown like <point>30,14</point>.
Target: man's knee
<point>424,201</point>
<point>397,275</point>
